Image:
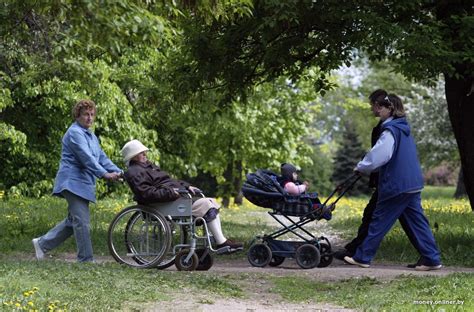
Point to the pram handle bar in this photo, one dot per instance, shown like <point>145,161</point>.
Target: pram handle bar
<point>343,187</point>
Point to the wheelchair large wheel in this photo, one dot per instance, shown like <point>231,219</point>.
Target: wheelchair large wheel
<point>182,264</point>
<point>326,256</point>
<point>259,255</point>
<point>307,256</point>
<point>138,237</point>
<point>179,236</point>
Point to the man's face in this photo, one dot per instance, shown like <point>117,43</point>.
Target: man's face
<point>375,109</point>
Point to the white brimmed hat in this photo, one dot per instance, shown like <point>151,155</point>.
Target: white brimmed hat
<point>132,149</point>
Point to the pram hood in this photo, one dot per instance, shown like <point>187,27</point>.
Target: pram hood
<point>263,189</point>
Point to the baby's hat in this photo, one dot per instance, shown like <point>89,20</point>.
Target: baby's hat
<point>287,170</point>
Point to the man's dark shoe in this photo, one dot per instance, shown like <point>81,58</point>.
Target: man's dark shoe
<point>414,265</point>
<point>423,267</point>
<point>231,244</point>
<point>340,254</point>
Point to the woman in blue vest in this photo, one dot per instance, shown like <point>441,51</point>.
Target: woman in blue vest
<point>400,184</point>
<point>82,162</point>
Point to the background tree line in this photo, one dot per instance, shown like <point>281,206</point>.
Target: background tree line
<point>215,88</point>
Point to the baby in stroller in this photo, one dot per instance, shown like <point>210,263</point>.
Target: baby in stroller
<point>289,180</point>
<point>290,183</point>
<point>288,198</point>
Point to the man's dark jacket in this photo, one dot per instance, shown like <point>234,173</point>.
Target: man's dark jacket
<point>149,184</point>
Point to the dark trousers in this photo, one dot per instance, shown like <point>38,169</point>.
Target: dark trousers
<point>364,227</point>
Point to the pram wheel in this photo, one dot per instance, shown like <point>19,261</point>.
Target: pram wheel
<point>326,256</point>
<point>307,256</point>
<point>182,264</point>
<point>138,237</point>
<point>259,255</point>
<point>206,260</point>
<point>276,261</point>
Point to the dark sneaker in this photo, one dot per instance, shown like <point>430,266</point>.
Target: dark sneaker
<point>231,244</point>
<point>414,265</point>
<point>340,254</point>
<point>428,267</point>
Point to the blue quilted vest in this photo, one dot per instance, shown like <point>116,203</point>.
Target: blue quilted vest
<point>402,173</point>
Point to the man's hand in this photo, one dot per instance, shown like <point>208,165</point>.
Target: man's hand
<point>175,192</point>
<point>194,190</point>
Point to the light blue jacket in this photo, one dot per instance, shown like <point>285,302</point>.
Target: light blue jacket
<point>82,161</point>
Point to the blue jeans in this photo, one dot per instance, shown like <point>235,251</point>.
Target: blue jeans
<point>77,223</point>
<point>406,206</point>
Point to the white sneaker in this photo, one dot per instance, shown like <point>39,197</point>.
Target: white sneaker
<point>39,252</point>
<point>350,260</point>
<point>428,267</point>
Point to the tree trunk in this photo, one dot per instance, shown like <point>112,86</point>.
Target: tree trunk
<point>227,186</point>
<point>460,188</point>
<point>238,196</point>
<point>460,98</point>
<point>225,201</point>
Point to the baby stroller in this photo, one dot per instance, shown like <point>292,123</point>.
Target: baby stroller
<point>263,189</point>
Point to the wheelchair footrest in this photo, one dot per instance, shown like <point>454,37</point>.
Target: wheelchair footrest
<point>228,250</point>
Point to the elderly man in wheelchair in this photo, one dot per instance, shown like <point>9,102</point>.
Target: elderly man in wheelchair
<point>163,228</point>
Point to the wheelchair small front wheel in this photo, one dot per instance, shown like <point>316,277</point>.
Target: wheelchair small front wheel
<point>259,255</point>
<point>206,260</point>
<point>186,265</point>
<point>307,256</point>
<point>179,235</point>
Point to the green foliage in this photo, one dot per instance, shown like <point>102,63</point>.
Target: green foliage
<point>318,174</point>
<point>431,128</point>
<point>350,152</point>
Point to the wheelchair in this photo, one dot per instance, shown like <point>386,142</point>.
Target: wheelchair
<point>159,235</point>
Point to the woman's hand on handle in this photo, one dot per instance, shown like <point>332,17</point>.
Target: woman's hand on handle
<point>112,176</point>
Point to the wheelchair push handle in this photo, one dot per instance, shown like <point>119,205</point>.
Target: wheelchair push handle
<point>187,193</point>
